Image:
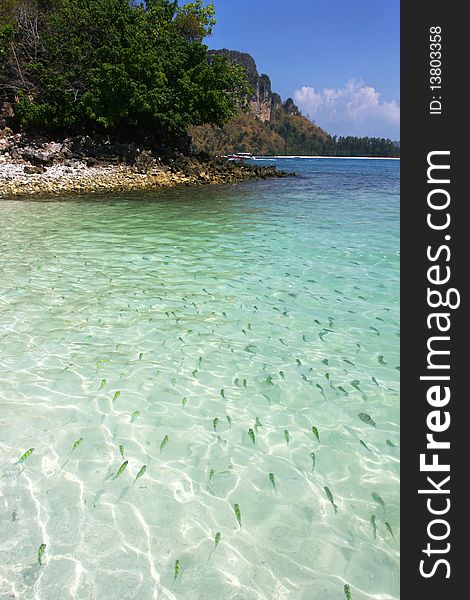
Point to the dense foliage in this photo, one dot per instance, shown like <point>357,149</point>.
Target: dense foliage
<point>285,134</point>
<point>244,133</point>
<point>81,65</point>
<point>300,135</point>
<point>365,146</point>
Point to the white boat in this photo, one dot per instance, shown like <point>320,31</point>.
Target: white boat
<point>240,156</point>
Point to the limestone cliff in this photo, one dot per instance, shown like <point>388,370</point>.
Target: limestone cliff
<point>263,100</point>
<point>260,101</point>
<point>271,126</point>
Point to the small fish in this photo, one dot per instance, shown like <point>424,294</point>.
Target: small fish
<point>103,383</point>
<point>244,383</point>
<point>217,539</point>
<point>375,381</point>
<point>355,384</point>
<point>164,443</point>
<point>281,375</point>
<point>322,391</point>
<point>121,450</point>
<point>41,550</point>
<point>304,337</point>
<point>116,395</point>
<point>177,569</point>
<point>200,360</point>
<point>140,473</point>
<point>340,387</point>
<point>349,362</point>
<point>312,456</point>
<point>374,526</point>
<point>323,333</point>
<point>365,445</point>
<point>215,422</point>
<point>391,444</point>
<point>375,330</point>
<point>257,424</point>
<point>367,419</point>
<point>141,355</point>
<point>299,364</point>
<point>211,474</point>
<point>222,393</point>
<point>77,443</point>
<point>326,362</point>
<point>378,499</point>
<point>271,479</point>
<point>329,495</point>
<point>184,401</point>
<point>238,514</point>
<point>347,592</point>
<point>229,421</point>
<point>381,360</point>
<point>251,435</point>
<point>121,469</point>
<point>194,372</point>
<point>286,436</point>
<point>26,455</point>
<point>315,433</point>
<point>389,529</point>
<point>269,380</point>
<point>134,415</point>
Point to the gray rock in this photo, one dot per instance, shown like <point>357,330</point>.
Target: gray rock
<point>144,162</point>
<point>15,154</point>
<point>34,170</point>
<point>36,157</point>
<point>5,132</point>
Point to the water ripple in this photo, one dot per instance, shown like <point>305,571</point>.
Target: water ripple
<point>200,315</point>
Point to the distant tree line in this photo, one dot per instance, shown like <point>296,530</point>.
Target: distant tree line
<point>365,146</point>
<point>114,66</point>
<point>301,137</point>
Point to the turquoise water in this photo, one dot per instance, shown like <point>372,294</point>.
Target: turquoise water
<point>274,301</point>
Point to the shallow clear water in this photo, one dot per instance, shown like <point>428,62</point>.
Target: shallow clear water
<point>275,300</point>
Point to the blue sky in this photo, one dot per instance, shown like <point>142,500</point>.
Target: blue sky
<point>339,59</point>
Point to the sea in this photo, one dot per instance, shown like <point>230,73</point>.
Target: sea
<point>199,390</point>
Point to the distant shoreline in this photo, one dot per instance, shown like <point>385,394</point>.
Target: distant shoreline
<point>335,157</point>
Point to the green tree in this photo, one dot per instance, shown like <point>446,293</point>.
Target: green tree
<point>115,65</point>
<point>195,21</point>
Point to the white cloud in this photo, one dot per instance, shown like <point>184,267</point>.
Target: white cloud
<point>355,109</point>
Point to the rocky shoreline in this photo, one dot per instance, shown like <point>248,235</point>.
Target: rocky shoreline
<point>31,167</point>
